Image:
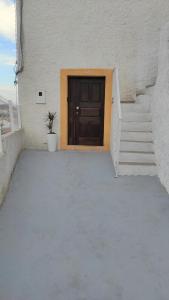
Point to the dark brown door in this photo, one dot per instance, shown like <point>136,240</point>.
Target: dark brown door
<point>86,110</point>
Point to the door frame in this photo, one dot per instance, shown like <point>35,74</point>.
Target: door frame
<point>64,73</point>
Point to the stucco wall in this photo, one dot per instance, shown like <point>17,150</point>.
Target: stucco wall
<point>160,109</point>
<point>85,34</point>
<point>12,146</point>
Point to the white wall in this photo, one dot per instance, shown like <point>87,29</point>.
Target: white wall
<point>85,34</point>
<point>160,108</point>
<point>12,146</point>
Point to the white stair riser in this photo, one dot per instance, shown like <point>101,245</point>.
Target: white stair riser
<point>138,117</point>
<point>132,146</point>
<point>137,170</point>
<point>143,98</point>
<point>144,101</point>
<point>136,136</point>
<point>150,91</point>
<point>137,157</point>
<point>137,126</point>
<point>138,108</point>
<point>136,145</point>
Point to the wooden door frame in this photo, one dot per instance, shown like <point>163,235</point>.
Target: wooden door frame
<point>64,73</point>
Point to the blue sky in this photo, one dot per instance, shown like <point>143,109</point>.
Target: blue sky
<point>7,48</point>
<point>7,52</point>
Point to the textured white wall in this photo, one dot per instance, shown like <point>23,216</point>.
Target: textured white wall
<point>12,146</point>
<point>160,109</point>
<point>85,34</point>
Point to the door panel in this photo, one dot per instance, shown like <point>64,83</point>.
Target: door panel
<point>86,110</point>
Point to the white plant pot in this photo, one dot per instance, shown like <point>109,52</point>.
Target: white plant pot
<point>52,142</point>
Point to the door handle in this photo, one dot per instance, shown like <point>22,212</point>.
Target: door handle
<point>77,107</point>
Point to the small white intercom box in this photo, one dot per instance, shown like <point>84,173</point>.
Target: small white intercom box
<point>40,97</point>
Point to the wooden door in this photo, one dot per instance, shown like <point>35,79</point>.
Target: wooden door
<point>86,110</point>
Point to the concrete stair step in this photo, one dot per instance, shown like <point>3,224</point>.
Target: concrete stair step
<point>138,157</point>
<point>144,101</point>
<point>140,91</point>
<point>136,126</point>
<point>133,107</point>
<point>136,136</point>
<point>150,90</point>
<point>137,117</point>
<point>137,169</point>
<point>143,98</point>
<point>136,146</point>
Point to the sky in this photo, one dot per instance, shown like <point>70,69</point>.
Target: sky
<point>7,49</point>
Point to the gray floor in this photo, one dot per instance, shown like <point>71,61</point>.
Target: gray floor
<point>70,231</point>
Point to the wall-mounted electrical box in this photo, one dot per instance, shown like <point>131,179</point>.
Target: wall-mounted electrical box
<point>40,97</point>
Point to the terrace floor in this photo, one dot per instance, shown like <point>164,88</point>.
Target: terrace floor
<point>70,231</point>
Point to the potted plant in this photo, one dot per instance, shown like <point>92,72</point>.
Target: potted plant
<point>51,136</point>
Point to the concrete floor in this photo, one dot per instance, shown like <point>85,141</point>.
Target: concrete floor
<point>70,231</point>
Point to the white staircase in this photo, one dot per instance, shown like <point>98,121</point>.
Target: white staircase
<point>136,143</point>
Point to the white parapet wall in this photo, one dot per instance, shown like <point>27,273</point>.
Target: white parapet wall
<point>12,144</point>
<point>160,109</point>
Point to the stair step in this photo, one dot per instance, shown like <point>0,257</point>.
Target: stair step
<point>144,101</point>
<point>137,169</point>
<point>127,101</point>
<point>138,157</point>
<point>136,126</point>
<point>133,107</point>
<point>140,92</point>
<point>138,117</point>
<point>141,98</point>
<point>136,146</point>
<point>150,90</point>
<point>136,136</point>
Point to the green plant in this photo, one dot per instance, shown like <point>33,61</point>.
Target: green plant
<point>50,121</point>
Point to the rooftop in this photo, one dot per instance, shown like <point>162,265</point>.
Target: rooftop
<point>70,230</point>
